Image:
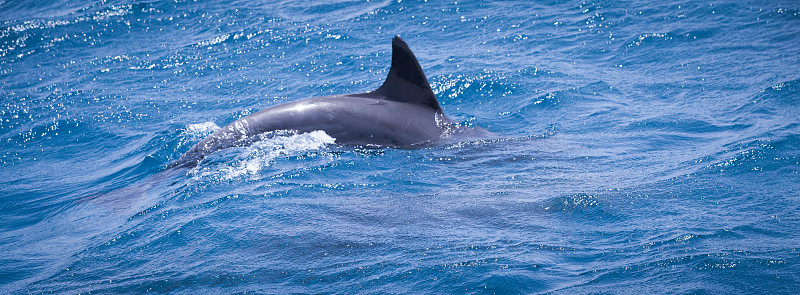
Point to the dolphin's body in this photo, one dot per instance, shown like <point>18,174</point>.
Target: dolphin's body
<point>403,112</point>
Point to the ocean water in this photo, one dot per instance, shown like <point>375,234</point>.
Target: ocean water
<point>638,147</point>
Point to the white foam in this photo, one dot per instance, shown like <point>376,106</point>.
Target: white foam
<point>201,130</point>
<point>261,154</point>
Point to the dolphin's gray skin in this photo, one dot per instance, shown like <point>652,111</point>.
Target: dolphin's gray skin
<point>403,112</point>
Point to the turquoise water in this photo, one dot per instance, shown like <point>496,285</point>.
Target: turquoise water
<point>639,147</point>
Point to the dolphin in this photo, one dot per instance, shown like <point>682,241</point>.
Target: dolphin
<point>402,113</point>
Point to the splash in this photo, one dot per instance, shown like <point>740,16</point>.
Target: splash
<point>252,159</point>
<point>200,130</point>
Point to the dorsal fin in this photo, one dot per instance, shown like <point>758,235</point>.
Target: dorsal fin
<point>406,82</point>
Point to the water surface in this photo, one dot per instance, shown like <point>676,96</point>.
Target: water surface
<point>641,147</point>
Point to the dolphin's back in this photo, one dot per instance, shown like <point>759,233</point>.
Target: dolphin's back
<point>401,113</point>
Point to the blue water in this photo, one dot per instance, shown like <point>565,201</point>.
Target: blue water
<point>638,147</point>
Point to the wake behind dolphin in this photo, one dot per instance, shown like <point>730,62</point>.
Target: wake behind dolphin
<point>403,112</point>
